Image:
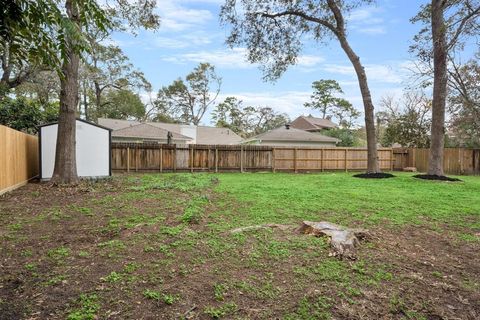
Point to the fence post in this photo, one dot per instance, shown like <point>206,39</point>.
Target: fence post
<point>216,159</point>
<point>191,158</point>
<point>346,154</point>
<point>128,159</point>
<point>414,158</point>
<point>241,158</point>
<point>321,159</point>
<point>161,158</point>
<point>175,158</point>
<point>295,160</point>
<point>208,159</point>
<point>460,157</point>
<point>136,158</point>
<point>273,160</point>
<point>391,159</point>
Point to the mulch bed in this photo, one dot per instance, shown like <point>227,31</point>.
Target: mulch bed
<point>377,175</point>
<point>435,177</point>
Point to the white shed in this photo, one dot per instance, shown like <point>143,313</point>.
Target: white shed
<point>93,144</point>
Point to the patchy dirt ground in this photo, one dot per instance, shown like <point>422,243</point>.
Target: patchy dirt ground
<point>159,247</point>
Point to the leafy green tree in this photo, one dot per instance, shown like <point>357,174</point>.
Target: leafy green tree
<point>106,68</point>
<point>407,122</point>
<point>188,100</point>
<point>53,33</point>
<point>247,121</point>
<point>464,106</point>
<point>447,24</point>
<point>347,136</point>
<point>26,115</point>
<point>231,114</point>
<point>272,32</point>
<point>30,31</point>
<point>122,104</point>
<point>42,85</point>
<point>324,99</point>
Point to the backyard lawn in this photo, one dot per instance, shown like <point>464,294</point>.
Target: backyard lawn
<point>159,246</point>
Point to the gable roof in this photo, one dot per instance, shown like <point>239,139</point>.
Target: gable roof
<point>312,123</point>
<point>292,134</point>
<point>204,134</point>
<point>116,124</point>
<point>145,130</point>
<point>214,135</point>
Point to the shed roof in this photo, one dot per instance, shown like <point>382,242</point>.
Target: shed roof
<point>78,119</point>
<point>145,130</point>
<point>292,134</point>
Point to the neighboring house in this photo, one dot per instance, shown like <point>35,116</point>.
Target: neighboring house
<point>288,136</point>
<point>312,124</point>
<point>182,134</point>
<point>145,132</point>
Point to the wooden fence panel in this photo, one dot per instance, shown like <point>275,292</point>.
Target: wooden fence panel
<point>154,157</point>
<point>18,158</point>
<point>455,161</point>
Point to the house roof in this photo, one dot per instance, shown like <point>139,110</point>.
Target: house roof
<point>312,123</point>
<point>214,135</point>
<point>116,124</point>
<point>145,130</point>
<point>292,134</point>
<point>204,134</point>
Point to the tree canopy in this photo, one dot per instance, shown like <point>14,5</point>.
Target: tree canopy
<point>188,100</point>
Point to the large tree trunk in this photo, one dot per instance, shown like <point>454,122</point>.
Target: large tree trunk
<point>372,157</point>
<point>435,159</point>
<point>65,171</point>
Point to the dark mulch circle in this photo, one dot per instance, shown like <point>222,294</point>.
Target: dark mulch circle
<point>377,175</point>
<point>435,177</point>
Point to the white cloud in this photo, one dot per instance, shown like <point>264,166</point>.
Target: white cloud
<point>367,21</point>
<point>372,30</point>
<point>393,72</point>
<point>184,41</point>
<point>233,58</point>
<point>175,17</point>
<point>289,102</point>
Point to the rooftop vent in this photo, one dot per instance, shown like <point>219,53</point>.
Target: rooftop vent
<point>287,126</point>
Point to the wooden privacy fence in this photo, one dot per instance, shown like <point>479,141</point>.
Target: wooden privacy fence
<point>455,160</point>
<point>18,158</point>
<point>160,157</point>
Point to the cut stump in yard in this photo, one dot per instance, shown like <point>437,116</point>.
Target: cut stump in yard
<point>343,240</point>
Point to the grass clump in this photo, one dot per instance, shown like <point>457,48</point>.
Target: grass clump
<point>221,311</point>
<point>312,309</point>
<point>88,308</point>
<point>168,299</point>
<point>59,253</point>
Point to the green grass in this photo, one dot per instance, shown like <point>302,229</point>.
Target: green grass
<point>163,244</point>
<point>401,200</point>
<point>87,309</point>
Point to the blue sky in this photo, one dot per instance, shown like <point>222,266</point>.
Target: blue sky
<point>191,33</point>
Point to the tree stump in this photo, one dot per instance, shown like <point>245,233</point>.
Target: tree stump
<point>343,240</point>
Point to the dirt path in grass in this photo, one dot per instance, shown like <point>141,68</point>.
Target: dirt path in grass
<point>158,247</point>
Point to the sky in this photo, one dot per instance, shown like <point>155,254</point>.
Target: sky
<point>190,33</point>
